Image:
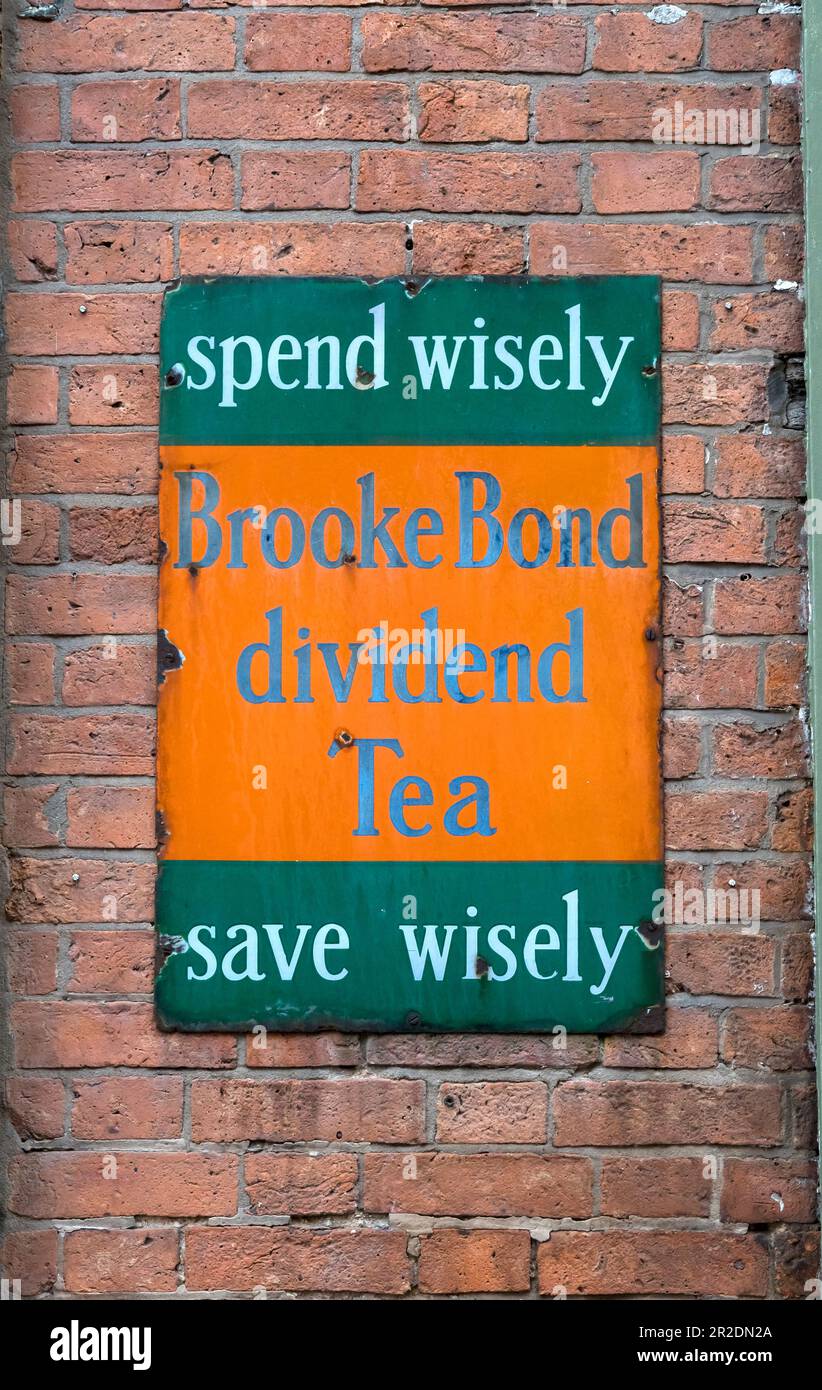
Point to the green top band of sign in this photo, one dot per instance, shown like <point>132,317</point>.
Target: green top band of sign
<point>276,360</point>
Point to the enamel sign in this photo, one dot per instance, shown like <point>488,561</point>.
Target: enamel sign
<point>409,645</point>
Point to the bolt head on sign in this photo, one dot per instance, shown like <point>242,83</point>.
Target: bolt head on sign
<point>409,697</point>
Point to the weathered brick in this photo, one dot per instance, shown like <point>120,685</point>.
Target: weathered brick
<point>31,395</point>
<point>74,1034</point>
<point>713,961</point>
<point>36,1106</point>
<point>453,1261</point>
<point>613,1114</point>
<point>654,1187</point>
<point>121,181</point>
<point>110,817</point>
<point>476,42</point>
<point>29,816</point>
<point>625,181</point>
<point>720,254</point>
<point>758,466</point>
<point>630,110</point>
<point>689,1043</point>
<point>88,744</point>
<point>742,749</point>
<point>79,890</point>
<point>481,1050</point>
<point>473,111</point>
<point>705,533</point>
<point>298,43</point>
<point>303,110</point>
<point>776,1038</point>
<point>126,111</point>
<point>75,325</point>
<point>118,463</point>
<point>123,1184</point>
<point>127,1107</point>
<point>30,1255</point>
<point>339,1261</point>
<point>758,320</point>
<point>151,43</point>
<point>435,181</point>
<point>291,179</point>
<point>467,248</point>
<point>299,1184</point>
<point>119,393</point>
<point>30,668</point>
<point>140,1261</point>
<point>656,1263</point>
<point>715,675</point>
<point>751,42</point>
<point>111,962</point>
<point>502,1185</point>
<point>99,253</point>
<point>123,673</point>
<point>363,1110</point>
<point>32,249</point>
<point>35,112</point>
<point>767,605</point>
<point>708,393</point>
<point>636,43</point>
<point>31,962</point>
<point>292,248</point>
<point>492,1112</point>
<point>767,1190</point>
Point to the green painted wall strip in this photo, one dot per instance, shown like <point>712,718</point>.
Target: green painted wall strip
<point>812,151</point>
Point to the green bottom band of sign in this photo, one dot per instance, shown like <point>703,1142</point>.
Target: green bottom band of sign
<point>399,947</point>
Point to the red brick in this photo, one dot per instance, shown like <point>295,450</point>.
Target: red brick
<point>706,533</point>
<point>110,817</point>
<point>615,1114</point>
<point>719,254</point>
<point>797,983</point>
<point>32,962</point>
<point>718,676</point>
<point>626,110</point>
<point>681,748</point>
<point>296,179</point>
<point>32,248</point>
<point>45,890</point>
<point>784,251</point>
<point>758,320</point>
<point>720,962</point>
<point>127,1107</point>
<point>689,1043</point>
<point>298,43</point>
<point>784,115</point>
<point>501,1185</point>
<point>68,324</point>
<point>683,458</point>
<point>754,43</point>
<point>635,43</point>
<point>39,542</point>
<point>475,1262</point>
<point>30,667</point>
<point>119,394</point>
<point>467,248</point>
<point>88,745</point>
<point>481,1050</point>
<point>750,750</point>
<point>298,1184</point>
<point>140,1261</point>
<point>114,535</point>
<point>30,1255</point>
<point>473,111</point>
<point>682,606</point>
<point>122,181</point>
<point>31,395</point>
<point>337,1261</point>
<point>99,253</point>
<point>304,110</point>
<point>758,466</point>
<point>292,248</point>
<point>266,1049</point>
<point>34,112</point>
<point>66,1185</point>
<point>680,325</point>
<point>654,1187</point>
<point>784,888</point>
<point>161,43</point>
<point>435,181</point>
<point>122,674</point>
<point>743,183</point>
<point>28,816</point>
<point>475,42</point>
<point>357,1111</point>
<point>785,668</point>
<point>111,962</point>
<point>655,1263</point>
<point>114,463</point>
<point>762,1191</point>
<point>625,181</point>
<point>715,820</point>
<point>796,1264</point>
<point>36,1106</point>
<point>793,821</point>
<point>148,109</point>
<point>776,1038</point>
<point>492,1112</point>
<point>73,1034</point>
<point>768,605</point>
<point>703,393</point>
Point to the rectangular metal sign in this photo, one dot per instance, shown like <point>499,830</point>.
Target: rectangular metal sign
<point>409,656</point>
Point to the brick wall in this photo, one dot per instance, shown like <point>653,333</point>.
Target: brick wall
<point>151,140</point>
